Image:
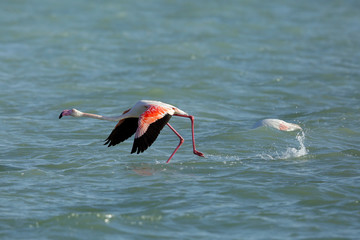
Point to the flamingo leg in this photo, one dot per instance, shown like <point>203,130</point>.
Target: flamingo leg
<point>192,133</point>
<point>181,142</point>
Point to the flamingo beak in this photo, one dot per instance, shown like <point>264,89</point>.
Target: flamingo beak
<point>65,113</point>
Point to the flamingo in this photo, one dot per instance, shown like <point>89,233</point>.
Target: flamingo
<point>145,119</point>
<point>278,124</point>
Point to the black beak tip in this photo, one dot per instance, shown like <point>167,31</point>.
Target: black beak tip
<point>60,116</point>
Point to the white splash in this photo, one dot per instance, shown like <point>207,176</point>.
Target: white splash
<point>290,152</point>
<point>294,152</point>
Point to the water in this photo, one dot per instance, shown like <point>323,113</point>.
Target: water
<point>229,64</point>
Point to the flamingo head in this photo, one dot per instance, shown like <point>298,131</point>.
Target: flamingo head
<point>70,112</point>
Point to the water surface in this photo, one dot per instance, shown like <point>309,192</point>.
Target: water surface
<point>228,63</point>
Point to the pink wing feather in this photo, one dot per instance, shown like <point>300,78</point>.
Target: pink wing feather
<point>150,123</point>
<point>151,115</point>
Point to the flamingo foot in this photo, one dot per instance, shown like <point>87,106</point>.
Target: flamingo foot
<point>199,153</point>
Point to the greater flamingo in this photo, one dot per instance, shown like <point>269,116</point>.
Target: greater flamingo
<point>278,124</point>
<point>145,119</point>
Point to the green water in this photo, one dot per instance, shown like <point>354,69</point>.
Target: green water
<point>228,63</point>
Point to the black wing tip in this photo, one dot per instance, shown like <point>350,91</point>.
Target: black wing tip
<point>122,132</point>
<point>148,138</point>
<point>107,142</point>
<point>139,145</point>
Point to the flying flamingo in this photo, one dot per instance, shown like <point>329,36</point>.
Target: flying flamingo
<point>145,119</point>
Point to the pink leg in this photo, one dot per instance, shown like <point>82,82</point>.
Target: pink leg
<point>192,132</point>
<point>181,142</point>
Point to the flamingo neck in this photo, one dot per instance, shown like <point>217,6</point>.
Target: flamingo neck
<point>100,117</point>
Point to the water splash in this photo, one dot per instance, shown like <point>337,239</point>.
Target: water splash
<point>290,152</point>
<point>294,152</point>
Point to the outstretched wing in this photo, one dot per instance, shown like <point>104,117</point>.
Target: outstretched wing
<point>122,131</point>
<point>151,122</point>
